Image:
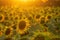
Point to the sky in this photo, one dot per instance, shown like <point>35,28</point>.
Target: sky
<point>37,2</point>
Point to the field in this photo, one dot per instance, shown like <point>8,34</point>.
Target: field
<point>32,23</point>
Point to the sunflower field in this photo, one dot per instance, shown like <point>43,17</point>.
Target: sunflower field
<point>32,23</point>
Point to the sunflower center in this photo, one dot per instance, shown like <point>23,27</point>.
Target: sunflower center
<point>7,32</point>
<point>49,17</point>
<point>38,16</point>
<point>22,25</point>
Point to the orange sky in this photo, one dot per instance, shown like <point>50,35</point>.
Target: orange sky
<point>17,1</point>
<point>37,2</point>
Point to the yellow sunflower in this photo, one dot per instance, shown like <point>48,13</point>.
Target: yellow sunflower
<point>2,17</point>
<point>47,18</point>
<point>29,16</point>
<point>42,19</point>
<point>11,15</point>
<point>17,17</point>
<point>37,17</point>
<point>23,25</point>
<point>23,16</point>
<point>8,31</point>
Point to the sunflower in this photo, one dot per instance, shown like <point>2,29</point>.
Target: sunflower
<point>8,31</point>
<point>2,17</point>
<point>22,25</point>
<point>42,19</point>
<point>17,17</point>
<point>11,15</point>
<point>37,17</point>
<point>8,23</point>
<point>29,16</point>
<point>48,17</point>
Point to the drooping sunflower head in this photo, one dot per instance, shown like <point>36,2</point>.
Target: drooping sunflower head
<point>22,26</point>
